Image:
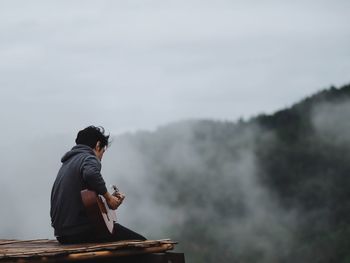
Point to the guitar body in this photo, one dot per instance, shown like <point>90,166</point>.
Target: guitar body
<point>98,211</point>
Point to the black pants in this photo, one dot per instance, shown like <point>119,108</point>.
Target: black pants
<point>120,233</point>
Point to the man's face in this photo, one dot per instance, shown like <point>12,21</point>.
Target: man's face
<point>99,151</point>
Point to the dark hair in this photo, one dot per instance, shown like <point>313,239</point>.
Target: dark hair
<point>91,135</point>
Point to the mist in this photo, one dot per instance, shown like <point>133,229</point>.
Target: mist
<point>176,177</point>
<point>253,221</point>
<point>133,67</point>
<point>29,172</point>
<point>330,120</point>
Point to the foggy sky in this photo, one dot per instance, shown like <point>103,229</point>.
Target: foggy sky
<point>130,65</point>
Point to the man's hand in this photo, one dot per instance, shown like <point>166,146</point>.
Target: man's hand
<point>119,195</point>
<point>114,201</point>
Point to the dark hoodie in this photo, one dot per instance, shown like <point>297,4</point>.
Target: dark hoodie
<point>80,169</point>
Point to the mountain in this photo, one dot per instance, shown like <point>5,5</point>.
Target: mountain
<point>274,188</point>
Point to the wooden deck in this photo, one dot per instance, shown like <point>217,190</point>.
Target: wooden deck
<point>45,250</point>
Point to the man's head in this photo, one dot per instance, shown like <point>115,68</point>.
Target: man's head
<point>95,138</point>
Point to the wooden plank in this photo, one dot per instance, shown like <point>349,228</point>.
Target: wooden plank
<point>162,257</point>
<point>44,248</point>
<point>22,241</point>
<point>116,253</point>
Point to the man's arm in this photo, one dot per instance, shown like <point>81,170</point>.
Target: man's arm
<point>91,173</point>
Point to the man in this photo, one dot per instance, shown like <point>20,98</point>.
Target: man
<point>81,169</point>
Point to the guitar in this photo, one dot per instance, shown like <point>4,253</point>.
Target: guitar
<point>98,210</point>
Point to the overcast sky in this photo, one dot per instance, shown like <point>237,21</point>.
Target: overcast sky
<point>131,65</point>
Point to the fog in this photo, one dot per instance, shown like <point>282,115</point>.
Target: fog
<point>331,124</point>
<point>255,223</point>
<point>264,226</point>
<point>136,66</point>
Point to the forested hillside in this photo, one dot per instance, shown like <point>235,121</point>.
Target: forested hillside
<point>274,188</point>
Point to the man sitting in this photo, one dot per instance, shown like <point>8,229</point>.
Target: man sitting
<point>81,169</point>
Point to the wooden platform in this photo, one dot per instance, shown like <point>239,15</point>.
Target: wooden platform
<point>45,250</point>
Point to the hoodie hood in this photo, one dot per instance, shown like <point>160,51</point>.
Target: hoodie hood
<point>77,149</point>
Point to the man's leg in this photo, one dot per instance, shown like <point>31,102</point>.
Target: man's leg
<point>122,233</point>
<point>87,237</point>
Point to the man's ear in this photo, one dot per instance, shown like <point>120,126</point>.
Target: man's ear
<point>98,146</point>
